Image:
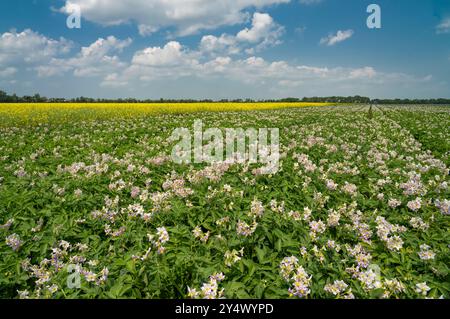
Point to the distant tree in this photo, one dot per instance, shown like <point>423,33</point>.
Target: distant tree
<point>3,96</point>
<point>290,99</point>
<point>37,98</point>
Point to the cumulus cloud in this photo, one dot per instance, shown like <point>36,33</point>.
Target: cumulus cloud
<point>30,47</point>
<point>263,29</point>
<point>334,39</point>
<point>186,16</point>
<point>173,62</point>
<point>155,66</point>
<point>172,54</point>
<point>264,32</point>
<point>225,44</point>
<point>93,60</point>
<point>444,26</point>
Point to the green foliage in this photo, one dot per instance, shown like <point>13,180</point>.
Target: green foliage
<point>43,168</point>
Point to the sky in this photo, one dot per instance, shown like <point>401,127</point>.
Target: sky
<point>220,49</point>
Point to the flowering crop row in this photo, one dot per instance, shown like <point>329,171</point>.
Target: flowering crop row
<point>40,113</point>
<point>358,209</point>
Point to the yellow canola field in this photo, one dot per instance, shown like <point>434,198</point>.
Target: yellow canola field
<point>34,113</point>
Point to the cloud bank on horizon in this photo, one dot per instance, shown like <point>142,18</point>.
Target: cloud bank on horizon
<point>224,49</point>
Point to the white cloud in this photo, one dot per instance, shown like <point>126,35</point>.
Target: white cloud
<point>30,47</point>
<point>176,66</point>
<point>173,62</point>
<point>94,60</point>
<point>186,16</point>
<point>103,46</point>
<point>224,44</point>
<point>338,37</point>
<point>363,73</point>
<point>263,28</point>
<point>444,26</point>
<point>7,72</point>
<point>263,33</point>
<point>113,81</point>
<point>218,65</point>
<point>172,54</point>
<point>146,30</point>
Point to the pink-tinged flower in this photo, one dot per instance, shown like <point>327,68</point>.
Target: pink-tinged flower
<point>161,249</point>
<point>14,242</point>
<point>418,223</point>
<point>7,224</point>
<point>426,253</point>
<point>333,218</point>
<point>336,288</point>
<point>287,266</point>
<point>317,226</point>
<point>52,289</point>
<point>301,282</point>
<point>394,243</point>
<point>415,205</point>
<point>413,187</point>
<point>90,276</point>
<point>243,229</point>
<point>363,260</point>
<point>350,189</point>
<point>210,289</point>
<point>257,209</point>
<point>306,213</point>
<point>163,235</point>
<point>20,172</point>
<point>217,276</point>
<point>103,276</point>
<point>444,206</point>
<point>370,279</point>
<point>135,191</point>
<point>331,185</point>
<point>394,203</point>
<point>199,234</point>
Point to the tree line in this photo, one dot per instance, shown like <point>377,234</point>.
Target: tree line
<point>7,98</point>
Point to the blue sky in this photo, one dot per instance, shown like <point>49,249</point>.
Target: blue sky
<point>225,49</point>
